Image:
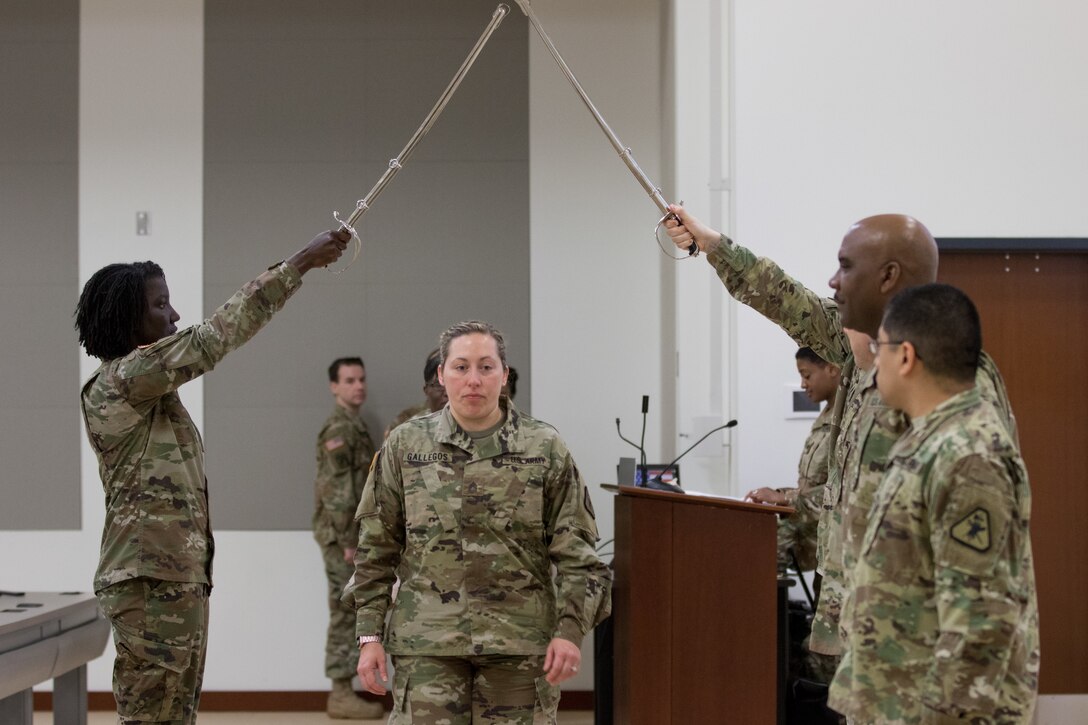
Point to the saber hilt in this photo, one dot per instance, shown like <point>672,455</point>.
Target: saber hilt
<point>396,164</point>
<point>624,151</point>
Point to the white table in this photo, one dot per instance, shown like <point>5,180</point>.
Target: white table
<point>48,635</point>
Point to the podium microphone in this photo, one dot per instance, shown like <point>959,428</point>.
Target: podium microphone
<point>642,440</point>
<point>625,440</point>
<point>672,487</point>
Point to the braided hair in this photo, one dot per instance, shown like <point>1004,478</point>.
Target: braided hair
<point>110,309</point>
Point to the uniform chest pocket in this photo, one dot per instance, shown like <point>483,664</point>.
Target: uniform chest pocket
<point>815,460</point>
<point>427,504</point>
<point>525,504</point>
<point>888,519</point>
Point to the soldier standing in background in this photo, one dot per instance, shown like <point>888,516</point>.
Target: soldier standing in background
<point>797,532</point>
<point>433,391</point>
<point>819,380</point>
<point>473,507</point>
<point>155,569</point>
<point>344,453</point>
<point>943,624</point>
<point>510,390</point>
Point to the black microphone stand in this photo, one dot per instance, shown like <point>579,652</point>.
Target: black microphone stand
<point>662,485</point>
<point>625,440</point>
<point>642,442</point>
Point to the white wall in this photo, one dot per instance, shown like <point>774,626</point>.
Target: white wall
<point>595,270</point>
<point>703,315</point>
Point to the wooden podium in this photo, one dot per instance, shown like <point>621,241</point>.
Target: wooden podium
<point>694,609</point>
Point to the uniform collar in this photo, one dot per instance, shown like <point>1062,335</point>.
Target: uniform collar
<point>508,437</point>
<point>342,412</point>
<point>922,428</point>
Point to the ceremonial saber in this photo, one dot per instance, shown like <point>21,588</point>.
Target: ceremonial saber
<point>397,163</point>
<point>624,151</point>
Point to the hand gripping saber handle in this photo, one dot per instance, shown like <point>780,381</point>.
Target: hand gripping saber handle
<point>624,151</point>
<point>397,163</point>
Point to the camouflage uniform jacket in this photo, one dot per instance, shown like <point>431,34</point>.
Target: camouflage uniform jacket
<point>812,468</point>
<point>150,455</point>
<point>472,528</point>
<point>408,413</point>
<point>861,438</point>
<point>942,622</point>
<point>344,453</point>
<point>799,529</point>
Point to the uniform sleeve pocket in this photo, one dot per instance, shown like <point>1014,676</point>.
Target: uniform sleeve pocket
<point>884,519</point>
<point>368,503</point>
<point>525,507</point>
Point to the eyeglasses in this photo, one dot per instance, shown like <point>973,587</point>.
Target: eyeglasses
<point>874,345</point>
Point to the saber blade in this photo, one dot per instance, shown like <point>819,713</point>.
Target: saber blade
<point>652,189</point>
<point>397,163</point>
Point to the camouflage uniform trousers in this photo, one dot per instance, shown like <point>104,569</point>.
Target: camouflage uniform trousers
<point>800,535</point>
<point>160,633</point>
<point>341,648</point>
<point>820,667</point>
<point>480,690</point>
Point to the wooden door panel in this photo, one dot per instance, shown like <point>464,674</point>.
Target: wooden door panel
<point>1034,310</point>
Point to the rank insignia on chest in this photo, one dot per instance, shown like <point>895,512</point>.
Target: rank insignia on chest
<point>973,530</point>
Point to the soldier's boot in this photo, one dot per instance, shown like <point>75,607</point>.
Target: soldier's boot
<point>344,704</point>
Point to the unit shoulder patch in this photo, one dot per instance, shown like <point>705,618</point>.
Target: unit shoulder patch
<point>973,530</point>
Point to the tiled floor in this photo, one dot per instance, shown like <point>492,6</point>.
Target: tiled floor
<point>280,718</point>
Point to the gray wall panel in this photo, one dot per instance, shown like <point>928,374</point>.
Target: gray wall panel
<point>305,103</point>
<point>39,116</point>
<point>39,230</point>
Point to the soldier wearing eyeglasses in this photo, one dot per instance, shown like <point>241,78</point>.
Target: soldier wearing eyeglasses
<point>943,624</point>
